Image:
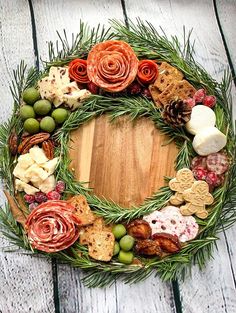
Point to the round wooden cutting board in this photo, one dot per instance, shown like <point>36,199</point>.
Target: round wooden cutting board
<point>124,160</point>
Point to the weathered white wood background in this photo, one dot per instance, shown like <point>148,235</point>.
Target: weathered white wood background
<point>29,284</point>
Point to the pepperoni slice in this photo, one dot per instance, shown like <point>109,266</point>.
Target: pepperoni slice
<point>217,163</point>
<point>52,226</point>
<point>112,65</point>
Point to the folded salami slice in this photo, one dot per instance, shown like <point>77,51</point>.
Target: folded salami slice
<point>52,226</point>
<point>217,163</point>
<point>112,65</point>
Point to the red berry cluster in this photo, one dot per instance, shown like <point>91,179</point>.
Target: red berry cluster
<point>40,197</point>
<point>201,97</point>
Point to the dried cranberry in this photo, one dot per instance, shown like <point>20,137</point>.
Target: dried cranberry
<point>209,101</point>
<point>94,89</point>
<point>199,95</point>
<point>146,93</point>
<point>191,102</point>
<point>60,186</point>
<point>134,89</point>
<point>29,198</point>
<point>40,197</point>
<point>53,195</point>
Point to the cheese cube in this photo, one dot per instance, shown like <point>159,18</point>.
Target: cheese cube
<point>38,155</point>
<point>50,165</point>
<point>70,87</point>
<point>36,174</point>
<point>22,186</point>
<point>60,74</point>
<point>48,184</point>
<point>74,99</point>
<point>25,161</point>
<point>19,172</point>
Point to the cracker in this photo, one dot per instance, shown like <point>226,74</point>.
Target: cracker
<point>167,75</point>
<point>101,245</point>
<point>177,90</point>
<point>83,210</point>
<point>155,92</point>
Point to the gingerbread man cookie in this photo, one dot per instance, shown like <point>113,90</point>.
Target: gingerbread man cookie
<point>197,197</point>
<point>183,181</point>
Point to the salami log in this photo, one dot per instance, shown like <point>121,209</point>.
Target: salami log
<point>112,65</point>
<point>52,226</point>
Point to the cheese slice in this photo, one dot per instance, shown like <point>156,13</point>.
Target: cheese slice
<point>209,140</point>
<point>22,186</point>
<point>38,155</point>
<point>201,117</point>
<point>74,99</point>
<point>48,184</point>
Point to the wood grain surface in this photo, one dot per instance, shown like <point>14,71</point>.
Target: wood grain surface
<point>28,284</point>
<point>124,161</point>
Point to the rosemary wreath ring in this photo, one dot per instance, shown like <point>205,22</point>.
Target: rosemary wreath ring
<point>146,42</point>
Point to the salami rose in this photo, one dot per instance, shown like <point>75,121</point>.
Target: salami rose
<point>52,226</point>
<point>147,72</point>
<point>78,71</point>
<point>112,65</point>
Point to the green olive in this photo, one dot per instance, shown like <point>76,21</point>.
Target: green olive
<point>119,231</point>
<point>127,243</point>
<point>26,111</point>
<point>125,257</point>
<point>60,115</point>
<point>31,125</point>
<point>116,248</point>
<point>47,124</point>
<point>31,95</point>
<point>42,107</point>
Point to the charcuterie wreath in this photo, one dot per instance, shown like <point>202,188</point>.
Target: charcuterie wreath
<point>131,71</point>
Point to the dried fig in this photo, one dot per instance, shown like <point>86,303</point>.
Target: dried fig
<point>139,229</point>
<point>167,242</point>
<point>148,247</point>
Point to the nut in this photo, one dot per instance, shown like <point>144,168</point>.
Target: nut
<point>48,148</point>
<point>139,229</point>
<point>148,247</point>
<point>30,141</point>
<point>167,242</point>
<point>13,143</point>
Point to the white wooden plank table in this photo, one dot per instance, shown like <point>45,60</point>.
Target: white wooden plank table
<point>29,284</point>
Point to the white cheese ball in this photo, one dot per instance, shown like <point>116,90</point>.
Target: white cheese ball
<point>209,140</point>
<point>201,117</point>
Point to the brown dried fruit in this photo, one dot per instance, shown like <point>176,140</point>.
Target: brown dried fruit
<point>139,229</point>
<point>148,247</point>
<point>167,242</point>
<point>30,141</point>
<point>13,143</point>
<point>48,148</point>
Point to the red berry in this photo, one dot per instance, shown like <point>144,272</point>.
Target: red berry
<point>146,93</point>
<point>212,179</point>
<point>40,197</point>
<point>199,95</point>
<point>209,101</point>
<point>200,173</point>
<point>53,195</point>
<point>60,186</point>
<point>33,206</point>
<point>29,198</point>
<point>134,89</point>
<point>94,89</point>
<point>191,102</point>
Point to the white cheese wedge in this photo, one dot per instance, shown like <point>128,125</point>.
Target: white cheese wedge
<point>25,161</point>
<point>36,174</point>
<point>19,172</point>
<point>48,184</point>
<point>50,166</point>
<point>201,117</point>
<point>73,100</point>
<point>38,155</point>
<point>22,186</point>
<point>60,74</point>
<point>209,140</point>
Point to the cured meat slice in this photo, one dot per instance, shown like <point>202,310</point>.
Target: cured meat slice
<point>217,163</point>
<point>198,161</point>
<point>112,65</point>
<point>52,226</point>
